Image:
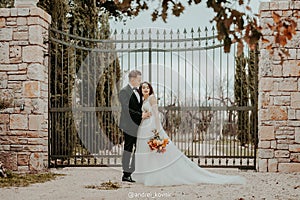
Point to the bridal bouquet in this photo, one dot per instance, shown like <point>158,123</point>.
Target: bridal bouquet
<point>157,143</point>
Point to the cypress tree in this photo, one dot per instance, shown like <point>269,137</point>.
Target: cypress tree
<point>241,98</point>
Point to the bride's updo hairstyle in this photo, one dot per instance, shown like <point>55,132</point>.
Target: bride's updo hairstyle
<point>149,85</point>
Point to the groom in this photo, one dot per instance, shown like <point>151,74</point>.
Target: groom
<point>131,116</point>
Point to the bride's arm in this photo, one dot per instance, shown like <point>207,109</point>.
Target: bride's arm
<point>153,103</point>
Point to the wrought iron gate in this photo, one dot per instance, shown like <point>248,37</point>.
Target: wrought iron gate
<point>194,81</point>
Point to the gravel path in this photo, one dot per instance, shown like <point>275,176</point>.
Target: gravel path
<point>260,186</point>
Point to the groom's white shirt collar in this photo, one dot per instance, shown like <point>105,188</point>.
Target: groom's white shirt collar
<point>130,85</point>
<point>135,92</point>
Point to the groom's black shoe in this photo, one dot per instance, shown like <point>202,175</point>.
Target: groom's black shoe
<point>128,179</point>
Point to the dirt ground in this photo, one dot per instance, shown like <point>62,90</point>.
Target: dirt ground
<point>263,186</point>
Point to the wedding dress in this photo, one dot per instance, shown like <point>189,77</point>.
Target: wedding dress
<point>171,167</point>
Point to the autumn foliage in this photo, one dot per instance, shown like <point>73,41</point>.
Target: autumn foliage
<point>283,30</point>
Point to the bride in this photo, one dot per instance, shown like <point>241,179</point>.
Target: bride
<point>171,167</point>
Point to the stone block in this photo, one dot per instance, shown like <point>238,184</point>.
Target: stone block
<point>32,134</point>
<point>24,28</point>
<point>295,100</point>
<point>284,5</point>
<point>2,22</point>
<point>15,52</point>
<point>19,77</point>
<point>262,165</point>
<point>36,148</point>
<point>21,21</point>
<point>23,159</point>
<point>291,68</point>
<point>297,135</point>
<point>4,52</point>
<point>295,157</point>
<point>36,34</point>
<point>274,5</point>
<point>39,106</point>
<point>35,122</point>
<point>289,167</point>
<point>278,113</point>
<point>5,12</point>
<point>9,160</point>
<point>4,147</point>
<point>282,100</point>
<point>282,154</point>
<point>36,12</point>
<point>297,114</point>
<point>293,55</point>
<point>265,14</point>
<point>3,81</point>
<point>11,19</point>
<point>8,140</point>
<point>13,12</point>
<point>20,35</point>
<point>18,122</point>
<point>273,144</point>
<point>282,146</point>
<point>272,165</point>
<point>277,70</point>
<point>266,84</point>
<point>40,13</point>
<point>31,89</point>
<point>37,162</point>
<point>25,3</point>
<point>266,70</point>
<point>264,6</point>
<point>264,144</point>
<point>23,11</point>
<point>295,5</point>
<point>265,153</point>
<point>266,133</point>
<point>4,118</point>
<point>288,84</point>
<point>263,114</point>
<point>281,137</point>
<point>34,21</point>
<point>16,147</point>
<point>33,54</point>
<point>294,42</point>
<point>36,72</point>
<point>294,148</point>
<point>291,114</point>
<point>265,99</point>
<point>37,141</point>
<point>287,13</point>
<point>23,66</point>
<point>18,43</point>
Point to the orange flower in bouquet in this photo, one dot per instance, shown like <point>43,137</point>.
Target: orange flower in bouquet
<point>157,143</point>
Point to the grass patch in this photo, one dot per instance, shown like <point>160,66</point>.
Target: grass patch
<point>105,186</point>
<point>23,180</point>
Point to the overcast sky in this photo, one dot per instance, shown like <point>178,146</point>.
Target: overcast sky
<point>193,17</point>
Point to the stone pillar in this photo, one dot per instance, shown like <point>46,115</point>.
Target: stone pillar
<point>279,96</point>
<point>25,3</point>
<point>24,76</point>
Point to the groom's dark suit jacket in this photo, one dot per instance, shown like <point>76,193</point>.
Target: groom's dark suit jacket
<point>131,114</point>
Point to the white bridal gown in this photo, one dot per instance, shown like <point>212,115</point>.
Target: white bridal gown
<point>171,167</point>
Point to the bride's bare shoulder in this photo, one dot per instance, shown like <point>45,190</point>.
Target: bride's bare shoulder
<point>152,99</point>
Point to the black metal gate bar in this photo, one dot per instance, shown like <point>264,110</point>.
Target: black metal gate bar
<point>192,80</point>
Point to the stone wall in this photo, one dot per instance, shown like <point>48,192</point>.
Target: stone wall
<point>279,96</point>
<point>24,76</point>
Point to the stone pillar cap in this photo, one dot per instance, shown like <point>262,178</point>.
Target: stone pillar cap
<point>25,3</point>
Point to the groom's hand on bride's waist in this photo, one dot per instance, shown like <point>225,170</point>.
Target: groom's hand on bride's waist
<point>146,115</point>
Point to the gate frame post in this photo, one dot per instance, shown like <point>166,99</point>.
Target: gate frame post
<point>24,75</point>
